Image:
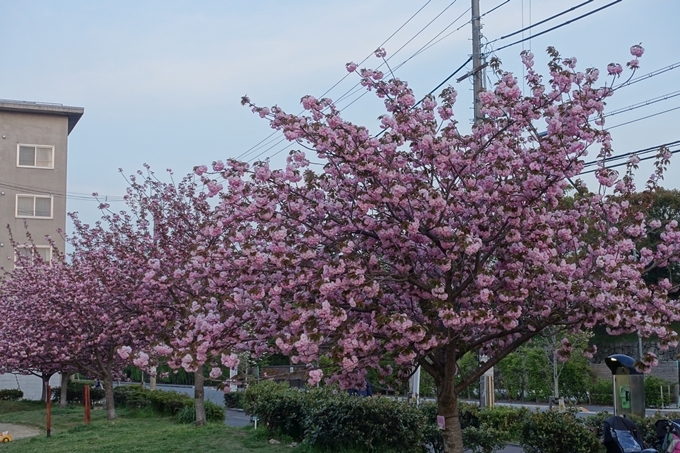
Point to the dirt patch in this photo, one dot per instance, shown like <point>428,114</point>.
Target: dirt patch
<point>19,431</point>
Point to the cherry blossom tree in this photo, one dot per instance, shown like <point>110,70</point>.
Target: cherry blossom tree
<point>198,320</point>
<point>75,312</point>
<point>25,342</point>
<point>422,242</point>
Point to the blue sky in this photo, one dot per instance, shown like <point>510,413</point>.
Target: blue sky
<point>161,81</point>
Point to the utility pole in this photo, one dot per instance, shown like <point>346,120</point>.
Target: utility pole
<point>486,383</point>
<point>477,59</point>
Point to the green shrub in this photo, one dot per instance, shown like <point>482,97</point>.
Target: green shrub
<point>360,424</point>
<point>74,392</point>
<point>602,392</point>
<point>168,402</point>
<point>11,394</point>
<point>335,421</point>
<point>653,392</point>
<point>507,420</point>
<point>213,413</point>
<point>123,392</point>
<point>594,423</point>
<point>432,435</point>
<point>557,432</point>
<point>484,439</point>
<point>234,400</point>
<point>647,425</point>
<point>278,407</point>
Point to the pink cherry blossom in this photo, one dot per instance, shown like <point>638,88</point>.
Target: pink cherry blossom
<point>637,50</point>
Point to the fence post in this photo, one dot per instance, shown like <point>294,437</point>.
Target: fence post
<point>49,410</point>
<point>86,400</point>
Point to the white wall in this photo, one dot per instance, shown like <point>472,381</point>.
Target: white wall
<point>30,385</point>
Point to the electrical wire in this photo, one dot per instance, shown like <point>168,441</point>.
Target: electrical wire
<point>642,104</point>
<point>260,143</point>
<point>432,42</point>
<point>644,118</point>
<point>625,163</point>
<point>638,152</point>
<point>393,54</point>
<point>651,74</point>
<point>543,21</point>
<point>32,190</point>
<point>555,27</point>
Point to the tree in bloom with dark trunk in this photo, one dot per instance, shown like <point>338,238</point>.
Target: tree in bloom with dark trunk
<point>198,320</point>
<point>74,314</point>
<point>422,243</point>
<point>27,343</point>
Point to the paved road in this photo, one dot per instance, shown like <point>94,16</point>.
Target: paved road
<point>236,418</point>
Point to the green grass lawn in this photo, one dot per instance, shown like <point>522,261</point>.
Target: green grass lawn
<point>130,432</point>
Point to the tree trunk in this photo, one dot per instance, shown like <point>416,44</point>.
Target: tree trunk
<point>152,379</point>
<point>199,397</point>
<point>556,376</point>
<point>108,394</point>
<point>63,400</point>
<point>447,404</point>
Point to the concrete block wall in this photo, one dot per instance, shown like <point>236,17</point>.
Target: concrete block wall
<point>29,384</point>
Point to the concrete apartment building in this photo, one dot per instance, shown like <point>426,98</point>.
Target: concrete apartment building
<point>33,157</point>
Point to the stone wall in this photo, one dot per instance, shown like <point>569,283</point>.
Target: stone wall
<point>633,350</point>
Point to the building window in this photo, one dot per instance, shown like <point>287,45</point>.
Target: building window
<point>34,206</point>
<point>43,251</point>
<point>35,156</point>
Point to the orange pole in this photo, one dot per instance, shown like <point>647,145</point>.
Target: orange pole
<point>86,398</point>
<point>49,410</point>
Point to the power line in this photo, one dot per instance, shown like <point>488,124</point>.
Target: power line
<point>642,104</point>
<point>422,49</point>
<point>67,195</point>
<point>430,44</point>
<point>260,143</point>
<point>555,16</point>
<point>651,74</point>
<point>645,151</point>
<point>633,153</point>
<point>555,27</point>
<point>383,43</point>
<point>643,118</point>
<point>393,54</point>
<point>495,8</point>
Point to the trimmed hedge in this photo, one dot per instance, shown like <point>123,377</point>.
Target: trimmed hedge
<point>11,394</point>
<point>172,403</point>
<point>558,432</point>
<point>74,392</point>
<point>336,421</point>
<point>234,400</point>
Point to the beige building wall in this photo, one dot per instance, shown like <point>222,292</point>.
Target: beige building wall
<point>46,127</point>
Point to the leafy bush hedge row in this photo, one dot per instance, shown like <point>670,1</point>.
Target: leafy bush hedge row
<point>337,421</point>
<point>234,400</point>
<point>74,392</point>
<point>180,405</point>
<point>11,395</point>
